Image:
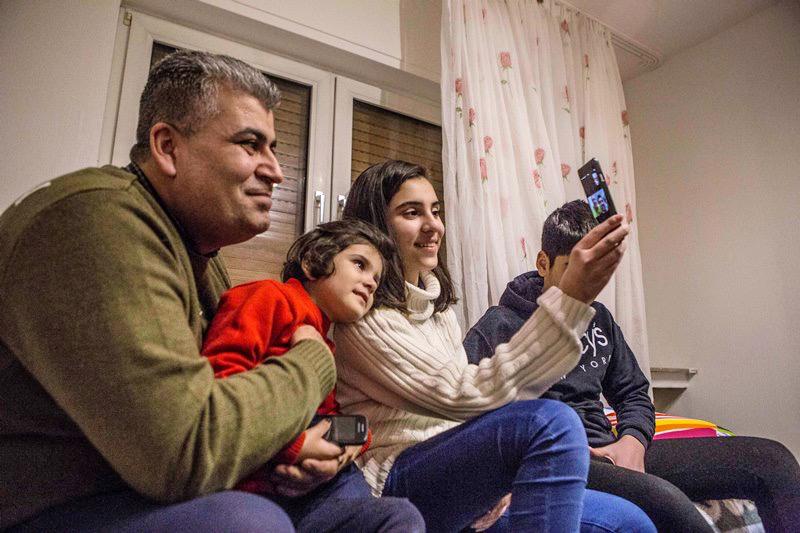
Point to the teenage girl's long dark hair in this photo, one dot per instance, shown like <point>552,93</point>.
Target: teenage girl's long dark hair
<point>368,199</point>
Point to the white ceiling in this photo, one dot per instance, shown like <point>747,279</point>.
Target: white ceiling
<point>666,26</point>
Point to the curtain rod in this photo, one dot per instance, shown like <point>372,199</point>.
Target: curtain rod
<point>646,55</point>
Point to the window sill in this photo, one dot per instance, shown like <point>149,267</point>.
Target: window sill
<point>671,378</point>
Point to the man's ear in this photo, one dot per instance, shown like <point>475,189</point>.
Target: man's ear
<point>162,148</point>
<point>542,263</point>
<point>307,271</point>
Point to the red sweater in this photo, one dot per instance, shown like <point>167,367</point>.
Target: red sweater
<point>255,321</point>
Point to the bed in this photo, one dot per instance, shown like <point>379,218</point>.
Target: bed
<point>735,516</point>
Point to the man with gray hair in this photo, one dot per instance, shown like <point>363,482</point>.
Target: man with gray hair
<point>109,417</point>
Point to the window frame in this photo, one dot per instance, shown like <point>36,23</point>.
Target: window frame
<point>330,140</point>
<point>347,91</point>
<point>145,30</point>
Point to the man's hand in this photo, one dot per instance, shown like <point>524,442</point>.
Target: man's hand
<point>306,332</point>
<point>316,447</point>
<point>486,521</point>
<point>311,472</point>
<point>593,260</point>
<point>296,480</point>
<point>627,452</point>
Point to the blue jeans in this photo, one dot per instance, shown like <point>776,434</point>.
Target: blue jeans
<point>127,512</point>
<point>536,450</point>
<point>343,504</point>
<point>346,503</point>
<point>602,513</point>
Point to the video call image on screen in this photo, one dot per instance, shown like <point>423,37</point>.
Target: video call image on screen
<point>592,181</point>
<point>598,203</point>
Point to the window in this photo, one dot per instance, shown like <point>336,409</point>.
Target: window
<point>380,134</point>
<point>374,125</point>
<point>319,157</point>
<point>303,124</point>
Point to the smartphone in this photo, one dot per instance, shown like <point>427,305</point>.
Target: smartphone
<point>347,429</point>
<point>596,189</point>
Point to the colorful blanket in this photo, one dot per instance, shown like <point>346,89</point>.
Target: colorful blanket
<point>678,427</point>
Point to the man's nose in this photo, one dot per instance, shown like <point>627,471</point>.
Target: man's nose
<point>269,169</point>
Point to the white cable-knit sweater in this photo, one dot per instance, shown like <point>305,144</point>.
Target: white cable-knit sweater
<point>409,373</point>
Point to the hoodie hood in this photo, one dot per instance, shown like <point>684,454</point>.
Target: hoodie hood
<point>521,294</point>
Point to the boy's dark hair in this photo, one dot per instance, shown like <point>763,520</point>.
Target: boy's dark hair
<point>367,200</point>
<point>316,249</point>
<point>564,227</point>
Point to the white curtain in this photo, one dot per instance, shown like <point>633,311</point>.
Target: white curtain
<point>530,91</point>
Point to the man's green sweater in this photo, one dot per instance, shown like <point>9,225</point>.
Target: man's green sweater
<point>103,307</point>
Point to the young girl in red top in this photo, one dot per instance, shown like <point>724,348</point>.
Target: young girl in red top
<point>331,274</point>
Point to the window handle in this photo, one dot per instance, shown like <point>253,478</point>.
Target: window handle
<point>341,201</point>
<point>319,200</point>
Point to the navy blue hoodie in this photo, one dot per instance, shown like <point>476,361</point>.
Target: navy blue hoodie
<point>607,364</point>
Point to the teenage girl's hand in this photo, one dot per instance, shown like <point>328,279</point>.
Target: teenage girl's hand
<point>594,259</point>
<point>305,332</point>
<point>316,447</point>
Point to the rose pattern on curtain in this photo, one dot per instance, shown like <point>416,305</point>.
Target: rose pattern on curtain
<point>530,91</point>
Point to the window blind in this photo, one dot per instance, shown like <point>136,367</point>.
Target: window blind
<point>379,134</point>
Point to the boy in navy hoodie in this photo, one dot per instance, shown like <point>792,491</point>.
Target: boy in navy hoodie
<point>705,468</point>
<point>607,364</point>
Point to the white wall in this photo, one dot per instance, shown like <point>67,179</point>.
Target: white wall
<point>716,144</point>
<point>390,43</point>
<point>399,33</point>
<point>55,63</point>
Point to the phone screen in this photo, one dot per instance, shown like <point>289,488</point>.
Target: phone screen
<point>347,429</point>
<point>596,189</point>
